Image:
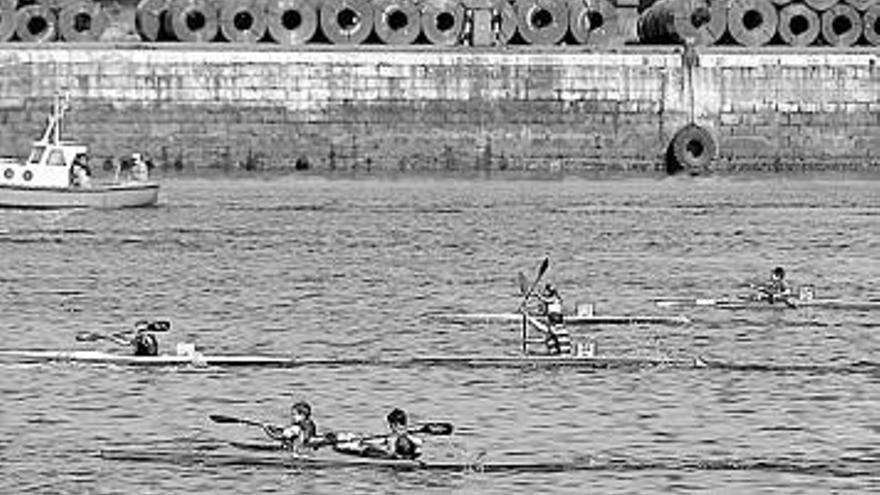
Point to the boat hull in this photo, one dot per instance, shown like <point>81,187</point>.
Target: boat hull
<point>567,319</point>
<point>744,304</point>
<point>287,460</point>
<point>199,360</point>
<point>102,196</point>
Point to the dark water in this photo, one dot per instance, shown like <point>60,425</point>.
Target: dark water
<point>321,268</point>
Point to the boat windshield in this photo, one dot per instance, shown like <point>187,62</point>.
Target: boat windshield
<point>36,154</point>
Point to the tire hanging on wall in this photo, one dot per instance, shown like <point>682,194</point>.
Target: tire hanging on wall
<point>871,22</point>
<point>193,21</point>
<point>149,18</point>
<point>752,22</point>
<point>542,22</point>
<point>397,22</point>
<point>841,25</point>
<point>7,19</point>
<point>781,3</point>
<point>243,21</point>
<point>35,24</point>
<point>799,25</point>
<point>82,21</point>
<point>442,21</point>
<point>346,22</point>
<point>692,148</point>
<point>292,22</point>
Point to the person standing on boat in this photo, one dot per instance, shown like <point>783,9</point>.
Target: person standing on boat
<point>139,170</point>
<point>551,304</point>
<point>557,338</point>
<point>299,434</point>
<point>776,289</point>
<point>80,172</point>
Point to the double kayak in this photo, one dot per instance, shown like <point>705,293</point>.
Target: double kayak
<point>329,460</point>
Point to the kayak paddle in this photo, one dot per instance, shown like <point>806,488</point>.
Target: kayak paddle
<point>434,428</point>
<point>541,270</point>
<point>94,336</point>
<point>523,283</point>
<point>270,429</point>
<point>223,419</point>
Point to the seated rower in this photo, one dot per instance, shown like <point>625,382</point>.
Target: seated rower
<point>301,431</point>
<point>398,444</point>
<point>776,289</point>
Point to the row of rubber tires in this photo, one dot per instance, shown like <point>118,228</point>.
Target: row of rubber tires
<point>297,22</point>
<point>761,22</point>
<point>76,20</point>
<point>391,22</point>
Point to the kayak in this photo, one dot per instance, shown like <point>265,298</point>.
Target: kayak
<point>567,319</point>
<point>534,362</point>
<point>745,304</point>
<point>848,468</point>
<point>322,460</point>
<point>205,360</point>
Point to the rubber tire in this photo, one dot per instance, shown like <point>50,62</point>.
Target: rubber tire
<point>681,155</point>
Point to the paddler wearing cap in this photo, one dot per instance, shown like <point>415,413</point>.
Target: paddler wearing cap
<point>301,430</point>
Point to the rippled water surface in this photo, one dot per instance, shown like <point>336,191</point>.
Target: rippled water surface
<point>329,268</point>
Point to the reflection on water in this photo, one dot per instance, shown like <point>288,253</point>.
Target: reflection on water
<point>322,268</point>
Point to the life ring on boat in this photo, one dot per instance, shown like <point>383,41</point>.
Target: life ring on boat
<point>27,175</point>
<point>8,173</point>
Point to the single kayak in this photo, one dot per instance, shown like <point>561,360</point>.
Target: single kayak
<point>745,304</point>
<point>573,319</point>
<point>206,360</point>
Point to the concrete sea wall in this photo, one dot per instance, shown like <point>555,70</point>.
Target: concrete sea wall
<point>400,109</point>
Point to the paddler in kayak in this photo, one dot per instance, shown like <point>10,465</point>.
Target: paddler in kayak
<point>300,433</point>
<point>144,341</point>
<point>398,444</point>
<point>776,289</point>
<point>557,338</point>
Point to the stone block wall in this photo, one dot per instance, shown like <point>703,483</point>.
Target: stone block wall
<point>396,110</point>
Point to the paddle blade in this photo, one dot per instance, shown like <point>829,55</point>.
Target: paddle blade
<point>436,429</point>
<point>89,337</point>
<point>543,269</point>
<point>523,283</point>
<point>220,418</point>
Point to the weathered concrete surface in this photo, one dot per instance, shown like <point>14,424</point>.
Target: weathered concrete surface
<point>437,109</point>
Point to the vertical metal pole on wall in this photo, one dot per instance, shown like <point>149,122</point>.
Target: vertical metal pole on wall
<point>689,60</point>
<point>525,335</point>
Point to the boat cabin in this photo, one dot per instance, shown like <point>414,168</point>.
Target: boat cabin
<point>51,159</point>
